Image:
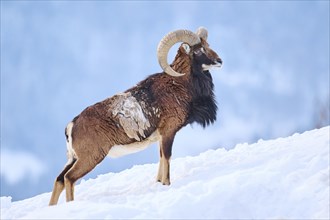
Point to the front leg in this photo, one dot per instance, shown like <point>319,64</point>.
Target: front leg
<point>160,168</point>
<point>166,143</point>
<point>164,171</point>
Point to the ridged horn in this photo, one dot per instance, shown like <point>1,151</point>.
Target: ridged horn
<point>202,33</point>
<point>168,41</point>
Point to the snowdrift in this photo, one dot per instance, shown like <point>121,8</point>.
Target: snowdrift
<point>278,179</point>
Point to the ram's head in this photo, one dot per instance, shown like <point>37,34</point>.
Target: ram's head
<point>194,44</point>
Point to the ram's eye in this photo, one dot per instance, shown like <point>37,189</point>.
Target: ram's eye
<point>198,52</point>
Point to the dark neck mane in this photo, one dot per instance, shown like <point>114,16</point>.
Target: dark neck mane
<point>204,107</point>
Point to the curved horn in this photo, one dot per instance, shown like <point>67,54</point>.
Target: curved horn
<point>168,41</point>
<point>202,33</point>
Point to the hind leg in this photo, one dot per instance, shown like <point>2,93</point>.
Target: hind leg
<point>59,184</point>
<point>78,170</point>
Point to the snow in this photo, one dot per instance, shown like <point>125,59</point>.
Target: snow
<point>274,179</point>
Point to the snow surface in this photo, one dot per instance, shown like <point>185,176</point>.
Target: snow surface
<point>278,179</point>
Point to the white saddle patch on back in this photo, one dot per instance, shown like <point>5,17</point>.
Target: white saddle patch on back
<point>130,114</point>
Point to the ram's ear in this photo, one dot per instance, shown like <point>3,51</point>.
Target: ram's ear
<point>186,48</point>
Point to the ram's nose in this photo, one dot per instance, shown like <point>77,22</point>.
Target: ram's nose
<point>219,60</point>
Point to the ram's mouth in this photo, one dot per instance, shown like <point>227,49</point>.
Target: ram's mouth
<point>208,67</point>
<point>217,65</point>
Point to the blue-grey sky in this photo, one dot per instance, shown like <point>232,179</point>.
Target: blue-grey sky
<point>58,57</point>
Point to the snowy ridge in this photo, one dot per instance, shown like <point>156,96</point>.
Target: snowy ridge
<point>282,178</point>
